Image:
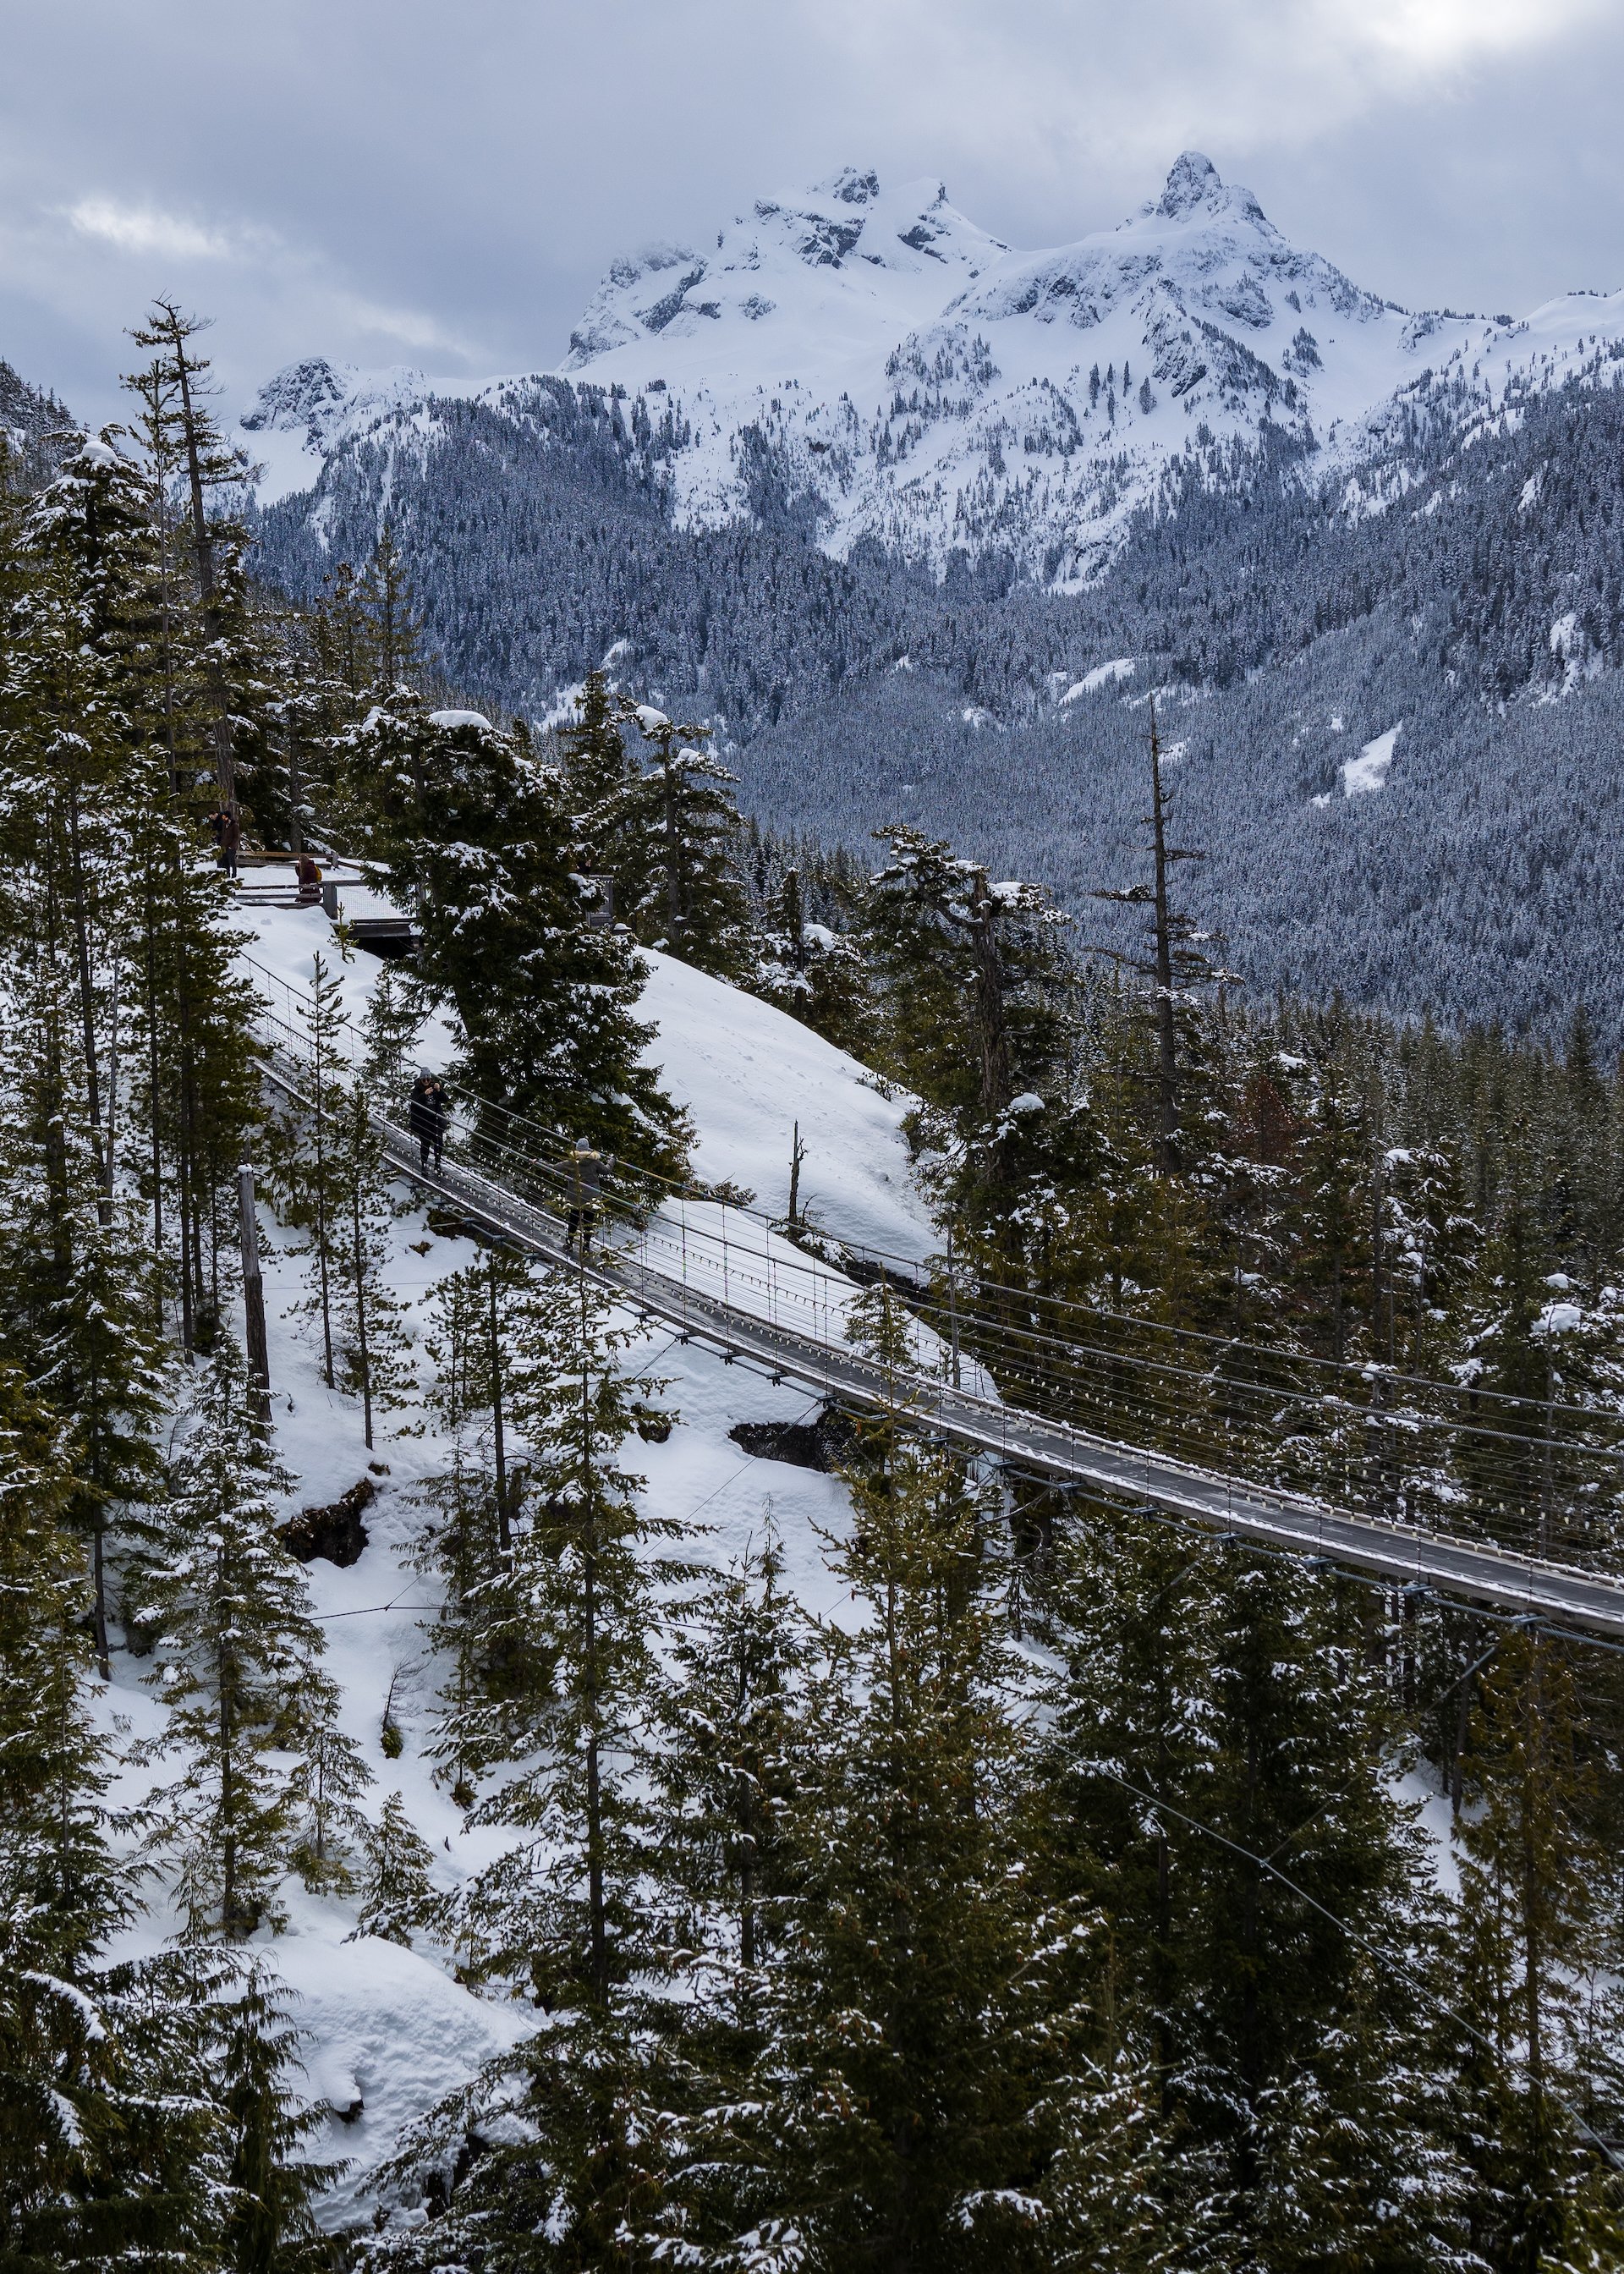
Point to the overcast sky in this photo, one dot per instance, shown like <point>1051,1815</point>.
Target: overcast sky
<point>442,182</point>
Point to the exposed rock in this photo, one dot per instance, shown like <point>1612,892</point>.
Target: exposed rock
<point>335,1532</point>
<point>820,1444</point>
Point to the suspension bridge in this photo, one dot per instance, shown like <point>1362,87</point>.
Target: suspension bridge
<point>718,1274</point>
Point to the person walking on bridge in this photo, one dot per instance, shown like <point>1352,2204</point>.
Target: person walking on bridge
<point>586,1171</point>
<point>425,1117</point>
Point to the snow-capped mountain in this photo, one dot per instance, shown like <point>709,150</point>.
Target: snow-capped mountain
<point>809,282</point>
<point>903,376</point>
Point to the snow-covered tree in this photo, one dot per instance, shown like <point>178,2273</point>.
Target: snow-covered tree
<point>680,826</point>
<point>250,1715</point>
<point>397,1896</point>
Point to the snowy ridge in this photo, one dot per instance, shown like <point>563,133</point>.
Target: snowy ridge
<point>868,351</point>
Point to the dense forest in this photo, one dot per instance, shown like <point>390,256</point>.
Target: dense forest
<point>1069,1904</point>
<point>1459,581</point>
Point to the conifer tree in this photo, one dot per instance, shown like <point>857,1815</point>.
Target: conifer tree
<point>250,1711</point>
<point>1266,1899</point>
<point>189,436</point>
<point>725,1770</point>
<point>562,1914</point>
<point>1173,957</point>
<point>598,772</point>
<point>386,596</point>
<point>817,975</point>
<point>373,1360</point>
<point>471,1506</point>
<point>60,1893</point>
<point>681,827</point>
<point>926,2013</point>
<point>557,1911</point>
<point>1537,1931</point>
<point>308,1159</point>
<point>397,1896</point>
<point>475,832</point>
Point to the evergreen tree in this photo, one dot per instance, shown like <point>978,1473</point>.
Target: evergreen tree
<point>598,772</point>
<point>1534,1932</point>
<point>562,1914</point>
<point>373,1359</point>
<point>1217,1766</point>
<point>491,1678</point>
<point>559,1911</point>
<point>397,1896</point>
<point>473,831</point>
<point>926,2016</point>
<point>682,828</point>
<point>386,598</point>
<point>250,1711</point>
<point>186,435</point>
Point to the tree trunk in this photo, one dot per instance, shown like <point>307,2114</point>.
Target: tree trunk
<point>87,1012</point>
<point>504,1527</point>
<point>203,552</point>
<point>1167,1029</point>
<point>360,1295</point>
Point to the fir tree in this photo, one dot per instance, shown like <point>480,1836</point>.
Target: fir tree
<point>598,771</point>
<point>682,828</point>
<point>1535,1933</point>
<point>250,1711</point>
<point>926,2017</point>
<point>474,831</point>
<point>397,1896</point>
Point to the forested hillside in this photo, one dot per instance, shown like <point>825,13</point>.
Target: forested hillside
<point>933,1868</point>
<point>1464,590</point>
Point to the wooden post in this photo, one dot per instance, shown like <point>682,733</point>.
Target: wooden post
<point>797,1154</point>
<point>253,1293</point>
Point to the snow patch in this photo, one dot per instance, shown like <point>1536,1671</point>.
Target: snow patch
<point>1362,776</point>
<point>1103,674</point>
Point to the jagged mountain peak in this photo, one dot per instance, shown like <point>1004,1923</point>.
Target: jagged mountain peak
<point>858,354</point>
<point>848,251</point>
<point>1194,183</point>
<point>300,396</point>
<point>852,186</point>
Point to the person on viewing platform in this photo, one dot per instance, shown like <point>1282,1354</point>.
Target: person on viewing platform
<point>309,879</point>
<point>425,1117</point>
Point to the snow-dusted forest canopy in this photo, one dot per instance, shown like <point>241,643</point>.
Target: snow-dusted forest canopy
<point>491,1782</point>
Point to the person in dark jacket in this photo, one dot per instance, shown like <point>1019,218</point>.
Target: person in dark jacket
<point>586,1171</point>
<point>425,1117</point>
<point>309,877</point>
<point>230,832</point>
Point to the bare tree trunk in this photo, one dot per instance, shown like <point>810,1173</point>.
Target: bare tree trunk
<point>360,1296</point>
<point>504,1529</point>
<point>86,1010</point>
<point>596,1919</point>
<point>1167,1028</point>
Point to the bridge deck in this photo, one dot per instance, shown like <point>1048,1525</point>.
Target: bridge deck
<point>1468,1570</point>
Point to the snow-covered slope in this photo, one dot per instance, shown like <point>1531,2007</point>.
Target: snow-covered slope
<point>386,2029</point>
<point>749,1077</point>
<point>869,350</point>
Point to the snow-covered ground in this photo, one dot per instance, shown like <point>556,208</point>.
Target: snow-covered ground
<point>749,1075</point>
<point>389,2028</point>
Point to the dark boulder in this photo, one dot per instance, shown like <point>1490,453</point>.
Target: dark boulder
<point>822,1443</point>
<point>335,1532</point>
